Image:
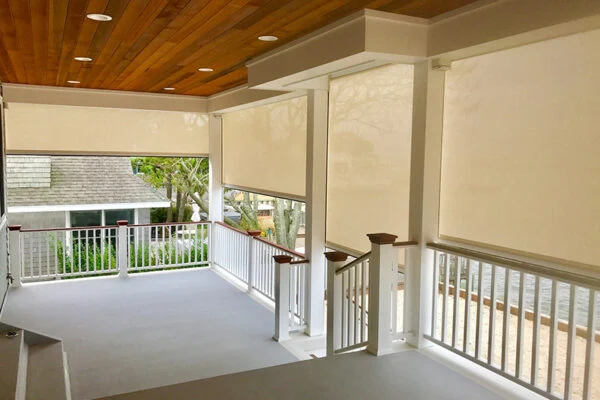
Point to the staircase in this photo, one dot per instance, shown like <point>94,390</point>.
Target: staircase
<point>34,366</point>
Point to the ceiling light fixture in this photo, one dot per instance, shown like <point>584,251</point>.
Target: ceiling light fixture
<point>73,82</point>
<point>268,38</point>
<point>205,69</point>
<point>85,59</point>
<point>169,88</point>
<point>100,17</point>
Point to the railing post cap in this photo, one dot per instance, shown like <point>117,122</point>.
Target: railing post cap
<point>122,222</point>
<point>382,238</point>
<point>253,232</point>
<point>336,256</point>
<point>14,227</point>
<point>282,259</point>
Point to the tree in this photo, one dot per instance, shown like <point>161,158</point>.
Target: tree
<point>188,177</point>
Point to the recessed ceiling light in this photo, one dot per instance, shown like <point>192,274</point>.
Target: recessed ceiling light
<point>99,17</point>
<point>73,82</point>
<point>83,59</point>
<point>169,88</point>
<point>268,38</point>
<point>205,69</point>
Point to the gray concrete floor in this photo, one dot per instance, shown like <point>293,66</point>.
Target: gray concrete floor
<point>150,330</point>
<point>408,375</point>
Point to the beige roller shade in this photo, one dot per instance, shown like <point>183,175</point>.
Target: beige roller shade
<point>59,129</point>
<point>521,149</point>
<point>369,155</point>
<point>264,148</point>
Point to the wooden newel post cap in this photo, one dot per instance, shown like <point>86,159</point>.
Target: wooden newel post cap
<point>336,256</point>
<point>14,227</point>
<point>282,259</point>
<point>254,233</point>
<point>122,222</point>
<point>382,238</point>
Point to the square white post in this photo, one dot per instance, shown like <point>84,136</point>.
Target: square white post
<point>14,261</point>
<point>123,243</point>
<point>252,258</point>
<point>381,268</point>
<point>282,297</point>
<point>316,192</point>
<point>335,260</point>
<point>424,205</point>
<point>215,185</point>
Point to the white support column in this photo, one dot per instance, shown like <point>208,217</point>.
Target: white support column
<point>282,297</point>
<point>122,256</point>
<point>215,186</point>
<point>426,161</point>
<point>14,261</point>
<point>335,260</point>
<point>252,258</point>
<point>316,193</point>
<point>381,268</point>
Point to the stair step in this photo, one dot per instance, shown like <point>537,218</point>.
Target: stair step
<point>10,349</point>
<point>46,373</point>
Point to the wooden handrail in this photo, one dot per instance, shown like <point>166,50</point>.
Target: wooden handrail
<point>277,246</point>
<point>231,228</point>
<point>407,243</point>
<point>352,263</point>
<point>76,228</point>
<point>172,223</point>
<point>305,261</point>
<point>590,282</point>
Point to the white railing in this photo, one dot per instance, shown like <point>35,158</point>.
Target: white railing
<point>351,291</point>
<point>264,264</point>
<point>231,250</point>
<point>168,245</point>
<point>45,254</point>
<point>362,297</point>
<point>532,325</point>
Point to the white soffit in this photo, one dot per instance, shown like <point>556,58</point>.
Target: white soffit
<point>34,94</point>
<point>244,97</point>
<point>368,38</point>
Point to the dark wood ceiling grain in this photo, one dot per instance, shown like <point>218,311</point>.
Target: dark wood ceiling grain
<point>153,44</point>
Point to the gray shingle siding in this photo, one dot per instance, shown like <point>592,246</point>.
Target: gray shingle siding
<point>75,181</point>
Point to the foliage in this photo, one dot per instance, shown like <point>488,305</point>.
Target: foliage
<point>86,256</point>
<point>159,215</point>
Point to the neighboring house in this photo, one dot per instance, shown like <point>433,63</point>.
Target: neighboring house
<point>69,191</point>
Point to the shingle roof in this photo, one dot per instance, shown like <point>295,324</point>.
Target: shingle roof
<point>75,181</point>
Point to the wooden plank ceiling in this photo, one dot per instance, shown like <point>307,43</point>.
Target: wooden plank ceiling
<point>153,44</point>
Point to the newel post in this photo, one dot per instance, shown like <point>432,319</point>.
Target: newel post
<point>381,268</point>
<point>123,248</point>
<point>14,260</point>
<point>335,260</point>
<point>282,297</point>
<point>252,258</point>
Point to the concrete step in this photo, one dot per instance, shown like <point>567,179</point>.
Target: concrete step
<point>47,373</point>
<point>13,364</point>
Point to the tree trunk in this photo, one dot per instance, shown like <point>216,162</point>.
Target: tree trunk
<point>294,224</point>
<point>169,187</point>
<point>181,211</point>
<point>281,223</point>
<point>178,204</point>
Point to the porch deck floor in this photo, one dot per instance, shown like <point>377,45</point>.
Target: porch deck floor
<point>149,330</point>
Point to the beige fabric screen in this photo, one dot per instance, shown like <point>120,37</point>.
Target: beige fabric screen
<point>369,155</point>
<point>264,148</point>
<point>521,149</point>
<point>58,129</point>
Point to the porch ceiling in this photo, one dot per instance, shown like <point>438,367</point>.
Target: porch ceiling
<point>150,45</point>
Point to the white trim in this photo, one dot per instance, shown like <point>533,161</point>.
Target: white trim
<point>88,207</point>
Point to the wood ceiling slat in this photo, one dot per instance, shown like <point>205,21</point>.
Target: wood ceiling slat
<point>10,52</point>
<point>126,28</point>
<point>22,19</point>
<point>73,24</point>
<point>39,29</point>
<point>151,44</point>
